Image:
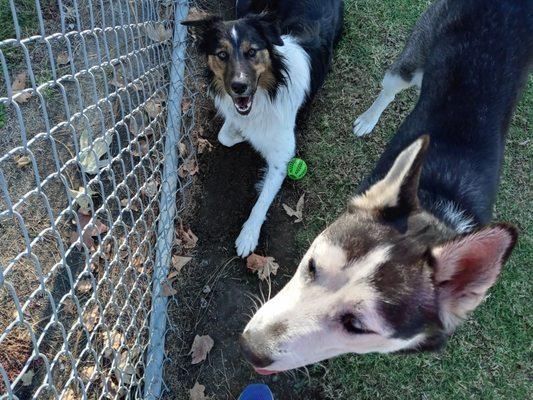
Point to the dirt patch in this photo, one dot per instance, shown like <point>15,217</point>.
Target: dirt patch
<point>213,295</point>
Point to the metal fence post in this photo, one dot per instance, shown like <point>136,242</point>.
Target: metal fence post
<point>165,231</point>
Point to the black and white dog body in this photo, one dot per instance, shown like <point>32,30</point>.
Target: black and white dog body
<point>262,68</point>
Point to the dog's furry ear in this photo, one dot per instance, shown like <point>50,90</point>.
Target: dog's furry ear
<point>396,193</point>
<point>267,24</point>
<point>466,268</point>
<point>201,20</point>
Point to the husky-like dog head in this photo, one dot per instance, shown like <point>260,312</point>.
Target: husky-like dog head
<point>385,276</point>
<point>241,56</point>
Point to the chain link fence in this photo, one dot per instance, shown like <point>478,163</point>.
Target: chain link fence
<point>89,189</point>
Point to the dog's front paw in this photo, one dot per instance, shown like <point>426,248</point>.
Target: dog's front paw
<point>365,123</point>
<point>248,238</point>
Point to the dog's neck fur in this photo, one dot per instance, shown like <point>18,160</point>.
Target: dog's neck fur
<point>451,213</point>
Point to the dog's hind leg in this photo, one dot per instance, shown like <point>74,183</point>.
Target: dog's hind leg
<point>392,84</point>
<point>229,135</point>
<point>407,69</point>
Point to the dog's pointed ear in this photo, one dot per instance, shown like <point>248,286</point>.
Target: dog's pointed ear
<point>466,268</point>
<point>396,194</point>
<point>268,25</point>
<point>201,20</point>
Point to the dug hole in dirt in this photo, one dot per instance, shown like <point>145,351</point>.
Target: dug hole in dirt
<point>213,290</point>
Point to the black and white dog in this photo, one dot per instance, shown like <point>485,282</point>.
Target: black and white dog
<point>413,255</point>
<point>262,68</point>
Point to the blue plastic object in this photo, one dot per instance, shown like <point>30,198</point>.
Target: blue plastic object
<point>256,391</point>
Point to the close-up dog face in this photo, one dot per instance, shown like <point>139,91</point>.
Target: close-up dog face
<point>240,56</point>
<point>385,276</point>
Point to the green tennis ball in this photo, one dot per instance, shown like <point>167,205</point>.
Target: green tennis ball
<point>296,169</point>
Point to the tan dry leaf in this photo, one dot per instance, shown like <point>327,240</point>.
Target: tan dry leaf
<point>83,198</point>
<point>167,290</point>
<point>86,373</point>
<point>201,346</point>
<point>70,394</point>
<point>85,286</point>
<point>143,147</point>
<point>264,266</point>
<point>158,33</point>
<point>178,262</point>
<point>188,168</point>
<point>186,105</point>
<point>91,317</point>
<point>182,149</point>
<point>203,145</point>
<point>298,213</point>
<point>116,340</point>
<point>153,107</point>
<point>19,83</point>
<point>150,189</point>
<point>22,161</point>
<point>125,368</point>
<point>27,377</point>
<point>197,392</point>
<point>63,58</point>
<point>186,238</point>
<point>97,228</point>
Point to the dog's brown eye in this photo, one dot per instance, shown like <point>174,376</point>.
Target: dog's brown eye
<point>311,267</point>
<point>353,325</point>
<point>222,55</point>
<point>251,52</point>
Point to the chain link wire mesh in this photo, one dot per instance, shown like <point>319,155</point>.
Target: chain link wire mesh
<point>88,192</point>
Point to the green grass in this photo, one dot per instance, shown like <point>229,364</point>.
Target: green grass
<point>3,116</point>
<point>490,356</point>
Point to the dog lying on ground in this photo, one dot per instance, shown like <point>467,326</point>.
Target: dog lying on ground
<point>262,68</point>
<point>413,255</point>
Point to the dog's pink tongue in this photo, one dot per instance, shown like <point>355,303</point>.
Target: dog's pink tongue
<point>265,371</point>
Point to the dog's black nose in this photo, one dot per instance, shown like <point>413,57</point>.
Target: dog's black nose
<point>239,87</point>
<point>253,353</point>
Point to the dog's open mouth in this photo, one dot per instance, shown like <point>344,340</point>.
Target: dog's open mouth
<point>243,104</point>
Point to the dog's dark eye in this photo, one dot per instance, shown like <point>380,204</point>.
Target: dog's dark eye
<point>353,325</point>
<point>251,52</point>
<point>311,268</point>
<point>222,55</point>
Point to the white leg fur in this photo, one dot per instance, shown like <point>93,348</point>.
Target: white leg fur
<point>392,85</point>
<point>229,135</point>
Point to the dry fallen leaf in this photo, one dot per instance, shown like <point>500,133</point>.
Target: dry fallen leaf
<point>91,317</point>
<point>27,377</point>
<point>63,58</point>
<point>182,149</point>
<point>203,145</point>
<point>150,189</point>
<point>167,290</point>
<point>178,262</point>
<point>186,238</point>
<point>158,33</point>
<point>143,148</point>
<point>116,340</point>
<point>22,161</point>
<point>188,168</point>
<point>85,286</point>
<point>153,107</point>
<point>186,105</point>
<point>125,368</point>
<point>83,198</point>
<point>197,392</point>
<point>298,213</point>
<point>264,266</point>
<point>86,373</point>
<point>70,394</point>
<point>97,228</point>
<point>19,83</point>
<point>200,347</point>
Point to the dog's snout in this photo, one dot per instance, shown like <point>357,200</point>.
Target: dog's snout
<point>255,353</point>
<point>239,87</point>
